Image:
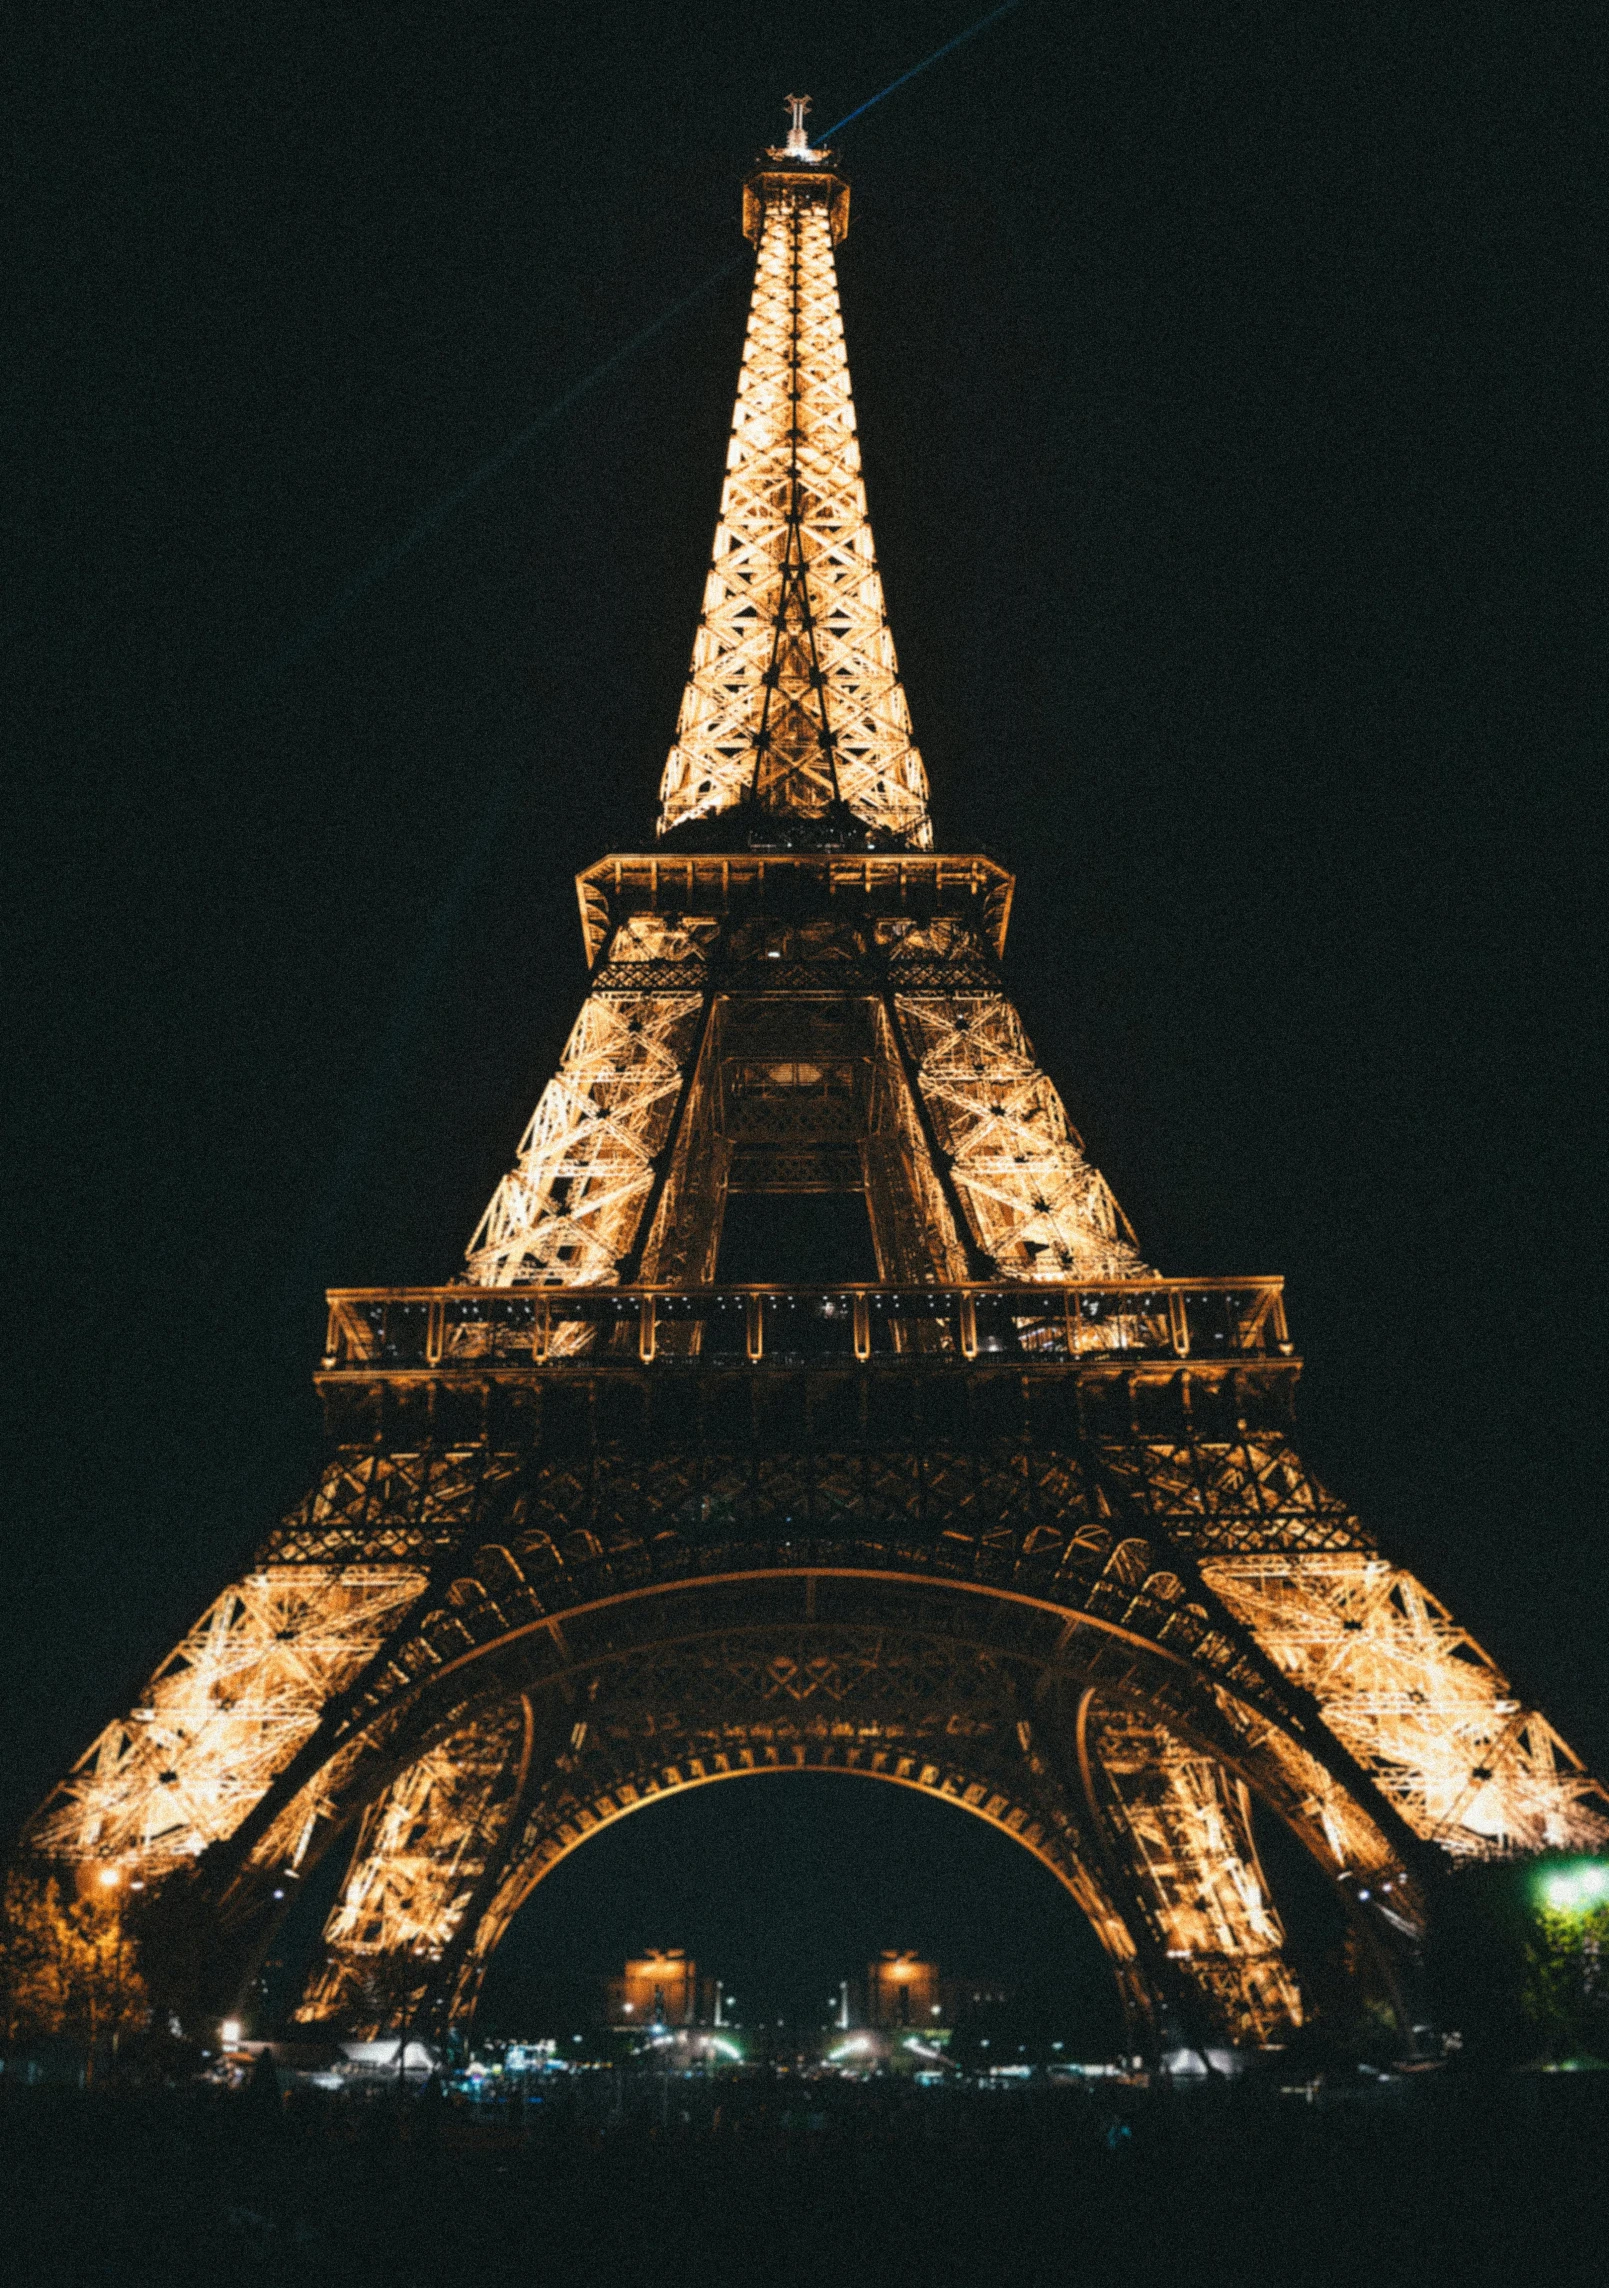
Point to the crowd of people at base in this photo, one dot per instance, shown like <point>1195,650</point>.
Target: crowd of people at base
<point>732,2180</point>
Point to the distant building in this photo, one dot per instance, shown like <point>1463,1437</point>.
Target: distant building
<point>903,1990</point>
<point>658,1989</point>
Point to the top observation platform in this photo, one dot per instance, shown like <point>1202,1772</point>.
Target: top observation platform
<point>919,885</point>
<point>796,174</point>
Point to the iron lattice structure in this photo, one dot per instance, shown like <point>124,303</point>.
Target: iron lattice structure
<point>1017,1523</point>
<point>794,704</point>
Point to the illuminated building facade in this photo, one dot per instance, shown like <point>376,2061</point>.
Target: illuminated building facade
<point>659,1989</point>
<point>902,1990</point>
<point>1013,1520</point>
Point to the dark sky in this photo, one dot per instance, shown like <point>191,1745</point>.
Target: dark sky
<point>1226,377</point>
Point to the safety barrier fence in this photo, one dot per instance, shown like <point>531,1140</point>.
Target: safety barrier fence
<point>438,1329</point>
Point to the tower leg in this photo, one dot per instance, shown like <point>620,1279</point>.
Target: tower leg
<point>422,1850</point>
<point>1177,1830</point>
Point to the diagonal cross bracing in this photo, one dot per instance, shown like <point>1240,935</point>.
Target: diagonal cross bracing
<point>1036,1205</point>
<point>223,1715</point>
<point>1414,1698</point>
<point>569,1208</point>
<point>793,700</point>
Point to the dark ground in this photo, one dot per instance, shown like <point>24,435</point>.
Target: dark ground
<point>1453,2180</point>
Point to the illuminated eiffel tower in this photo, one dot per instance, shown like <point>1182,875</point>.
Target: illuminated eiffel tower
<point>808,1407</point>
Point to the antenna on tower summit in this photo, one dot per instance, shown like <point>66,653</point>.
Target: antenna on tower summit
<point>798,143</point>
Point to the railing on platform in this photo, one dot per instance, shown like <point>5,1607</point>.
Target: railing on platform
<point>440,1329</point>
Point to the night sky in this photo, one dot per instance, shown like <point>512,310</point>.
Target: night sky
<point>1226,378</point>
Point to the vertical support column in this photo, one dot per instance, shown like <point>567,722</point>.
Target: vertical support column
<point>979,1266</point>
<point>630,1266</point>
<point>1176,1831</point>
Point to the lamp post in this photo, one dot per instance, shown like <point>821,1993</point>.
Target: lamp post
<point>110,1880</point>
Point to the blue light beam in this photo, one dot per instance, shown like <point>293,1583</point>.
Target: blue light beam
<point>438,513</point>
<point>316,629</point>
<point>949,48</point>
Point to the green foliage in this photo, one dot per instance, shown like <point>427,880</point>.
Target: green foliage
<point>69,1968</point>
<point>1566,1990</point>
<point>1523,1980</point>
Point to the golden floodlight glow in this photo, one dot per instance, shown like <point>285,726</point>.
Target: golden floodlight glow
<point>1012,1522</point>
<point>794,701</point>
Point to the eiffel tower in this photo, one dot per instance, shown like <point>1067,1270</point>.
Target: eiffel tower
<point>807,1406</point>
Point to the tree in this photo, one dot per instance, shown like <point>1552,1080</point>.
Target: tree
<point>1565,1994</point>
<point>1519,1961</point>
<point>69,1968</point>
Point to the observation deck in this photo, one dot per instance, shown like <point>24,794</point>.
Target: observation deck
<point>790,885</point>
<point>471,1361</point>
<point>428,1330</point>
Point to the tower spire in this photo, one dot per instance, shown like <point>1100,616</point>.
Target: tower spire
<point>794,711</point>
<point>798,143</point>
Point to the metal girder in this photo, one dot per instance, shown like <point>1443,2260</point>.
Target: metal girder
<point>743,1677</point>
<point>883,887</point>
<point>919,1712</point>
<point>1179,1826</point>
<point>634,1774</point>
<point>1408,1693</point>
<point>1035,1206</point>
<point>422,1848</point>
<point>562,1473</point>
<point>570,1207</point>
<point>324,1627</point>
<point>1173,1840</point>
<point>1416,1702</point>
<point>222,1716</point>
<point>970,1163</point>
<point>794,701</point>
